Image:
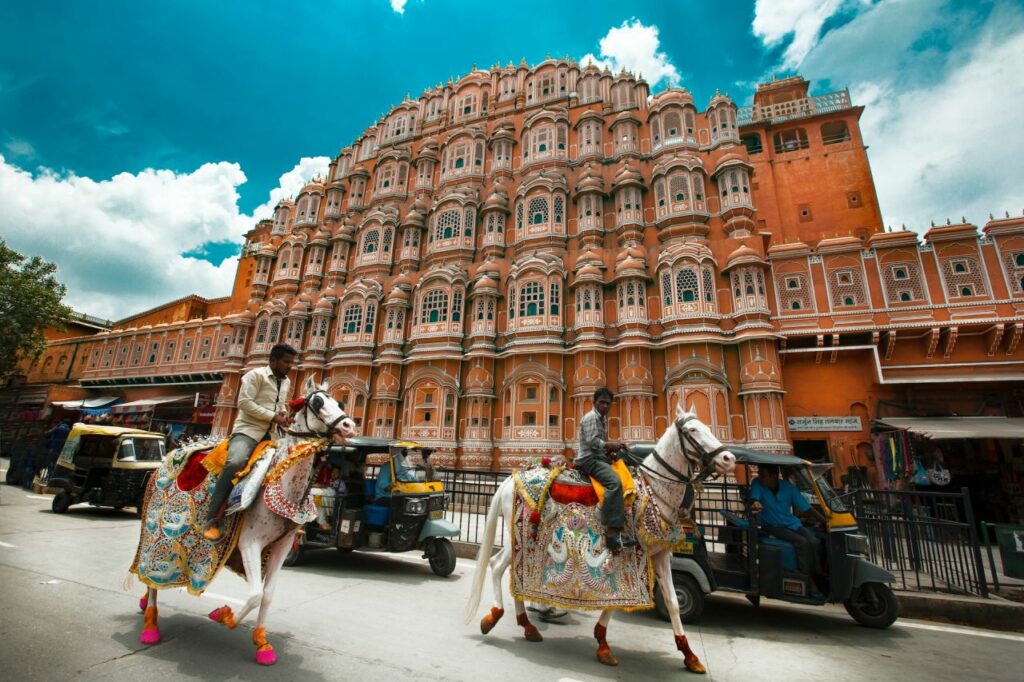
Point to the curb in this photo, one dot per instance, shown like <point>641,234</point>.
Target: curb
<point>993,613</point>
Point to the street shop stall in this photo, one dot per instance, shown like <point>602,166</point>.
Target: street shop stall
<point>983,454</point>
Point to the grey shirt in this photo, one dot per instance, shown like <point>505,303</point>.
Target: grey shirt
<point>593,433</point>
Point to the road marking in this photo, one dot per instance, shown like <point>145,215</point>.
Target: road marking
<point>39,497</point>
<point>963,631</point>
<point>6,544</point>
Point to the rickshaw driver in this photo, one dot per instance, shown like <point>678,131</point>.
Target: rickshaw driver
<point>261,404</point>
<point>773,499</point>
<point>593,461</point>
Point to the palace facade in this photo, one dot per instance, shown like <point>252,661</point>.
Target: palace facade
<point>484,257</point>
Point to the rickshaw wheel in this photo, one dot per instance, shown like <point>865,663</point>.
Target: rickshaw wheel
<point>688,594</point>
<point>442,561</point>
<point>873,605</point>
<point>61,502</point>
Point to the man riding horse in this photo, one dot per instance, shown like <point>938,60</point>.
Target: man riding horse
<point>261,405</point>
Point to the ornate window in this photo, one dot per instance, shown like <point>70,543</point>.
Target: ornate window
<point>794,293</point>
<point>371,242</point>
<point>632,301</point>
<point>502,154</point>
<point>1014,261</point>
<point>963,277</point>
<point>734,186</point>
<point>628,208</point>
<point>351,319</point>
<point>395,325</point>
<point>623,96</point>
<point>545,141</point>
<point>531,299</point>
<point>790,140</point>
<point>625,135</point>
<point>688,290</point>
<point>902,282</point>
<point>434,307</point>
<point>723,123</point>
<point>447,225</point>
<point>589,211</point>
<point>590,137</point>
<point>748,293</point>
<point>588,305</point>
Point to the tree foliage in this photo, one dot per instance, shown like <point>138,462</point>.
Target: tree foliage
<point>30,301</point>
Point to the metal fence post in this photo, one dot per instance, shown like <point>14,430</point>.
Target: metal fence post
<point>975,548</point>
<point>988,550</point>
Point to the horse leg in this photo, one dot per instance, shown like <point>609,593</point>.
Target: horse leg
<point>604,652</point>
<point>529,629</point>
<point>251,560</point>
<point>499,564</point>
<point>265,654</point>
<point>663,570</point>
<point>150,627</point>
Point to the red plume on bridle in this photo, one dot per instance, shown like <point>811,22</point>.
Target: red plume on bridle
<point>296,405</point>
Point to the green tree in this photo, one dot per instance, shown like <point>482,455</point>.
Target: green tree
<point>30,301</point>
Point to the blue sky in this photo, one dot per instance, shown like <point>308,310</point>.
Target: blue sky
<point>178,123</point>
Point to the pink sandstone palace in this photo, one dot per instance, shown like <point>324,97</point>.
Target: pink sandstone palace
<point>484,257</point>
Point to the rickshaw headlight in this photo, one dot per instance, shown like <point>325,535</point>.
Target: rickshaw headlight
<point>857,544</point>
<point>415,506</point>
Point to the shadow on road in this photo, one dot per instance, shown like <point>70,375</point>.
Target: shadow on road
<point>201,649</point>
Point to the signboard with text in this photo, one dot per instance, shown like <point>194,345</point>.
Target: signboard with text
<point>824,423</point>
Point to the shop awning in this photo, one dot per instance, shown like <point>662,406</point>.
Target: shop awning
<point>949,428</point>
<point>147,404</point>
<point>90,403</point>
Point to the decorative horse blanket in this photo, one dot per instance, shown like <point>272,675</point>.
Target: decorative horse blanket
<point>558,551</point>
<point>172,550</point>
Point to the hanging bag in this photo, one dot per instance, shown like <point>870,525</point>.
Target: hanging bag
<point>938,475</point>
<point>921,474</point>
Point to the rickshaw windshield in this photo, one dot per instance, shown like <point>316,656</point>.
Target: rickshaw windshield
<point>807,488</point>
<point>141,450</point>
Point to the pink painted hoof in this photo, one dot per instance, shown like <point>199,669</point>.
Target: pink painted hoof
<point>150,636</point>
<point>266,656</point>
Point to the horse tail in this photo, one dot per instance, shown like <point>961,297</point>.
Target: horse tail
<point>483,556</point>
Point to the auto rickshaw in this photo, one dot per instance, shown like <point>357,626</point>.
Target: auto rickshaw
<point>752,562</point>
<point>106,466</point>
<point>399,510</point>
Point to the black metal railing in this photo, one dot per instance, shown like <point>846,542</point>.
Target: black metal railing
<point>471,493</point>
<point>928,540</point>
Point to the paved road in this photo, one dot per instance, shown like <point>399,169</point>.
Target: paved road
<point>64,615</point>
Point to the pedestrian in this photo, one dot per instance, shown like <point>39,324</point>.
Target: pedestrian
<point>262,400</point>
<point>55,439</point>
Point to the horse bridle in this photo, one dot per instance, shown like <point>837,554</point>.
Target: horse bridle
<point>313,410</point>
<point>685,438</point>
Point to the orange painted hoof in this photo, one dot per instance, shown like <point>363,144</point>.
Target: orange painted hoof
<point>224,615</point>
<point>694,665</point>
<point>606,657</point>
<point>488,622</point>
<point>529,629</point>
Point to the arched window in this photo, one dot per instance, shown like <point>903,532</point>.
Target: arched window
<point>371,242</point>
<point>539,211</point>
<point>555,297</point>
<point>686,285</point>
<point>447,225</point>
<point>352,318</point>
<point>834,132</point>
<point>531,299</point>
<point>434,306</point>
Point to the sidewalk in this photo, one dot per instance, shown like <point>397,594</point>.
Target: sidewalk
<point>994,613</point>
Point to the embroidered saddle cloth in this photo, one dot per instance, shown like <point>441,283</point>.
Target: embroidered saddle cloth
<point>558,551</point>
<point>172,551</point>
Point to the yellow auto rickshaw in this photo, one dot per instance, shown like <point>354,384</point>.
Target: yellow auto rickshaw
<point>106,466</point>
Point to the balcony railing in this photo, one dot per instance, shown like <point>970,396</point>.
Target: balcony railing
<point>798,108</point>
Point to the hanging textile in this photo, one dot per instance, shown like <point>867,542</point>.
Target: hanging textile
<point>894,454</point>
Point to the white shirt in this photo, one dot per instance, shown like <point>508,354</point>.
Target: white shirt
<point>261,396</point>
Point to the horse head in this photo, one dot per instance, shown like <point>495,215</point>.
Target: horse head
<point>687,435</point>
<point>318,414</point>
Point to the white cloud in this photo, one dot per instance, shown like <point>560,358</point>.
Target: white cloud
<point>17,147</point>
<point>940,87</point>
<point>634,47</point>
<point>291,182</point>
<point>118,243</point>
<point>774,21</point>
<point>398,6</point>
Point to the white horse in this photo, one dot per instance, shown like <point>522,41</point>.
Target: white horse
<point>266,535</point>
<point>668,473</point>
